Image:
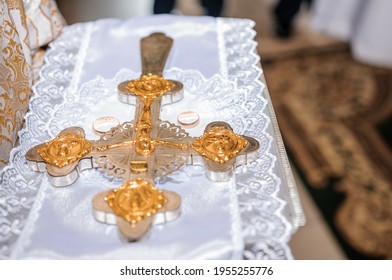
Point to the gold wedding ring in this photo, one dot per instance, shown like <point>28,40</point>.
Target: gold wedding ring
<point>104,124</point>
<point>188,119</point>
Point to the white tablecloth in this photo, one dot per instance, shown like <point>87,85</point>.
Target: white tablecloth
<point>252,216</point>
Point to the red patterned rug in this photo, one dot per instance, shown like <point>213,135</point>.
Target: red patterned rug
<point>335,115</point>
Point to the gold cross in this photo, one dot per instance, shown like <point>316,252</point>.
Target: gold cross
<point>143,149</point>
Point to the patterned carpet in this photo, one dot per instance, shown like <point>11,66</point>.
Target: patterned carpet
<point>335,115</point>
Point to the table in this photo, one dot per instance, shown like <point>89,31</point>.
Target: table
<point>253,216</point>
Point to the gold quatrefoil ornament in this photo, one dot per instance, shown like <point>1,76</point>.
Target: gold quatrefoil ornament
<point>219,144</point>
<point>135,207</point>
<point>135,200</point>
<point>65,149</point>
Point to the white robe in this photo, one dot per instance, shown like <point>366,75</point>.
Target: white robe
<point>366,25</point>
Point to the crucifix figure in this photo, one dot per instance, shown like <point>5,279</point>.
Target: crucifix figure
<point>143,149</point>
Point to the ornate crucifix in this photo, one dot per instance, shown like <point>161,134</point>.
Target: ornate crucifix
<point>143,149</point>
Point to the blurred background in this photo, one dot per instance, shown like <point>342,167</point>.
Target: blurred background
<point>328,66</point>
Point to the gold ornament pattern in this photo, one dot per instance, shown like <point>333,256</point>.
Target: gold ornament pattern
<point>150,86</point>
<point>65,149</point>
<point>15,73</point>
<point>44,22</point>
<point>219,144</point>
<point>23,28</point>
<point>135,200</point>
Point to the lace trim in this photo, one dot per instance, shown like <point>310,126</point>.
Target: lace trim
<point>267,250</point>
<point>295,212</point>
<point>243,67</point>
<point>20,185</point>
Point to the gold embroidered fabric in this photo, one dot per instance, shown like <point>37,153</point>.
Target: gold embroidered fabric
<point>44,22</point>
<point>23,28</point>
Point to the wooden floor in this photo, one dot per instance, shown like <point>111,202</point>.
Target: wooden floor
<point>314,241</point>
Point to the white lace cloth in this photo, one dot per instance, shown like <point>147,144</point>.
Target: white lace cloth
<point>255,214</point>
